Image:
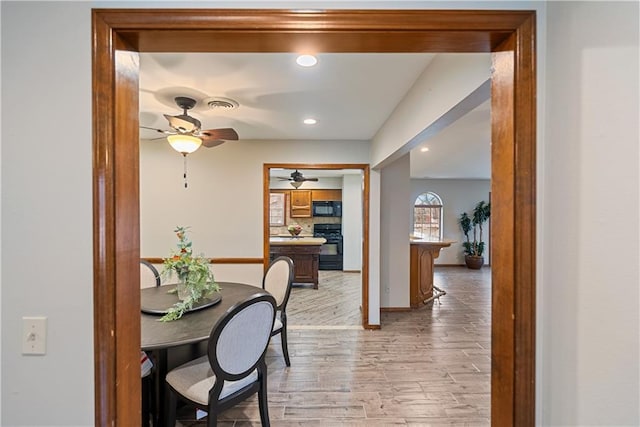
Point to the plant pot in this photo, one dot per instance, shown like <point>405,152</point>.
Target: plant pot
<point>474,262</point>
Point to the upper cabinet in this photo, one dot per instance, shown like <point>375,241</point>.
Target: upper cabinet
<point>328,195</point>
<point>300,203</point>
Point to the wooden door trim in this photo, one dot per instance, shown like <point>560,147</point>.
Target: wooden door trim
<point>365,220</point>
<point>234,30</point>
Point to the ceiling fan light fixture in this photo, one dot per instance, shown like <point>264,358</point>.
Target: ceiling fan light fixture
<point>296,184</point>
<point>184,144</point>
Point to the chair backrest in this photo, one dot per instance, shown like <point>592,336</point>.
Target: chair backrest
<point>239,340</point>
<point>277,280</point>
<point>149,276</point>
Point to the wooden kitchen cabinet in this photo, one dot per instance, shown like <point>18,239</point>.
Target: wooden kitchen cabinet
<point>300,204</point>
<point>326,195</point>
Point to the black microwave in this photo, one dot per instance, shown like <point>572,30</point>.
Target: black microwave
<point>328,208</point>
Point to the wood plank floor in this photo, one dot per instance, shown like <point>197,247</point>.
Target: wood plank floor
<point>336,302</point>
<point>424,367</point>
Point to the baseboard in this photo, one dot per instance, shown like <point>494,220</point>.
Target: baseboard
<point>351,271</point>
<point>394,309</point>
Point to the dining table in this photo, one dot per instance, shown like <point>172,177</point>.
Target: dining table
<point>174,342</point>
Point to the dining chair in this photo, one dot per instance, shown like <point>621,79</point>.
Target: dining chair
<point>234,367</point>
<point>148,406</point>
<point>277,281</point>
<point>149,277</point>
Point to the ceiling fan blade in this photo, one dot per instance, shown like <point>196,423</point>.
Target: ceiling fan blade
<point>165,132</point>
<point>210,143</point>
<point>226,134</point>
<point>183,123</point>
<point>310,179</point>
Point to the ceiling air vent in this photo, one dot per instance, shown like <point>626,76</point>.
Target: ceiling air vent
<point>218,103</point>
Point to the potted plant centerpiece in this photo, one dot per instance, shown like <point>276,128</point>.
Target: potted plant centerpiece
<point>473,250</point>
<point>194,279</point>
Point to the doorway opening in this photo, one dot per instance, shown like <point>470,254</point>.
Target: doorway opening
<point>364,223</point>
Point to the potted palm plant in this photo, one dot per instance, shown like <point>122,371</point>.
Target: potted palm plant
<point>474,249</point>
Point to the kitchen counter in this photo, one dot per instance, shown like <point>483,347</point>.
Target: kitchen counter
<point>283,240</point>
<point>305,253</point>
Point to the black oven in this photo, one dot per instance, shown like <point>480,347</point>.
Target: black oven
<point>330,252</point>
<point>327,208</point>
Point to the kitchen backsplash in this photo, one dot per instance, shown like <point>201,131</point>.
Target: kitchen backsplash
<point>305,223</point>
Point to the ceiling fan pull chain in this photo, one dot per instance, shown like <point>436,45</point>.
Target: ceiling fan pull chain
<point>184,156</point>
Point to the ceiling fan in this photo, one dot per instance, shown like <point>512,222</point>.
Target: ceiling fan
<point>187,136</point>
<point>186,130</point>
<point>297,179</point>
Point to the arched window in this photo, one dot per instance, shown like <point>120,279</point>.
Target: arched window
<point>427,216</point>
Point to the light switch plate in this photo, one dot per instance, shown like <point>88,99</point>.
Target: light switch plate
<point>34,335</point>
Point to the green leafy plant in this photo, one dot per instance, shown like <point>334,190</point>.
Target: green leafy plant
<point>191,270</point>
<point>480,215</point>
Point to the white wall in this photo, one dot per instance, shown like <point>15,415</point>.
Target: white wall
<point>458,195</point>
<point>589,327</point>
<point>394,234</point>
<point>352,216</point>
<point>374,247</point>
<point>47,251</point>
<point>223,201</point>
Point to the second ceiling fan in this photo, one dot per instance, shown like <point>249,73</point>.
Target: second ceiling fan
<point>297,178</point>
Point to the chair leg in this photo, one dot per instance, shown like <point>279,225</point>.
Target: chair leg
<point>283,340</point>
<point>263,403</point>
<point>152,401</point>
<point>212,418</point>
<point>172,405</point>
<point>146,394</point>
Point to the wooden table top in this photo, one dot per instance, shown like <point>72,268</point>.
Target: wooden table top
<point>192,327</point>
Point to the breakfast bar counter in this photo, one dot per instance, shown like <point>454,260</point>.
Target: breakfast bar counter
<point>422,256</point>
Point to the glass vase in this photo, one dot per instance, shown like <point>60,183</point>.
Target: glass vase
<point>182,289</point>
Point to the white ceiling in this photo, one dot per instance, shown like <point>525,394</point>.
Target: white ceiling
<point>351,96</point>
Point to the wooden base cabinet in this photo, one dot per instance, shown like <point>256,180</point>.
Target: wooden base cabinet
<point>305,261</point>
<point>422,257</point>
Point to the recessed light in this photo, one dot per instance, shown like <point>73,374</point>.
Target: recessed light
<point>309,121</point>
<point>424,149</point>
<point>306,60</point>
